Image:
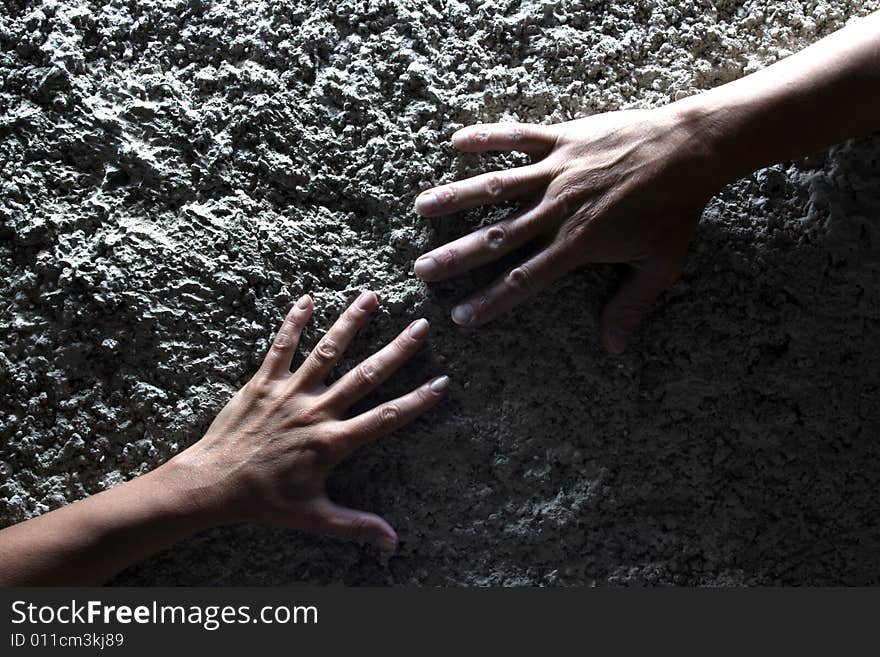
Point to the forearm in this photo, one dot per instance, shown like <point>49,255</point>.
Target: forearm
<point>818,97</point>
<point>91,540</point>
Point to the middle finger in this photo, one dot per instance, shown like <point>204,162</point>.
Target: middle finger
<point>377,368</point>
<point>484,245</point>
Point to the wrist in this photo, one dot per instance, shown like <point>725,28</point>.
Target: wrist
<point>181,483</point>
<point>709,129</point>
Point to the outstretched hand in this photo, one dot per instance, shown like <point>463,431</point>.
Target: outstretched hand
<point>267,455</point>
<point>623,187</point>
<point>265,459</point>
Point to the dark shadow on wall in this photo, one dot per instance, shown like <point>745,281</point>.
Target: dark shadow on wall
<point>736,442</point>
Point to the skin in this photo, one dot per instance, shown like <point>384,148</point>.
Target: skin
<point>622,187</point>
<point>265,459</point>
<point>629,187</point>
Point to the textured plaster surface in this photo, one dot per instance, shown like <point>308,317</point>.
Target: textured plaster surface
<point>174,173</point>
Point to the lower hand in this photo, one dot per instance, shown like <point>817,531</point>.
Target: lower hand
<point>623,187</point>
<point>267,455</point>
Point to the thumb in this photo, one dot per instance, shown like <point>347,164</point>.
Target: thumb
<point>632,303</point>
<point>355,525</point>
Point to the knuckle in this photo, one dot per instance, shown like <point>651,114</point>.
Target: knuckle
<point>332,433</point>
<point>328,446</point>
<point>494,185</point>
<point>404,343</point>
<point>358,529</point>
<point>285,339</point>
<point>390,413</point>
<point>366,374</point>
<point>481,305</point>
<point>261,388</point>
<point>309,416</point>
<point>447,258</point>
<point>520,279</point>
<point>479,137</point>
<point>316,410</point>
<point>354,314</point>
<point>315,443</point>
<point>517,134</point>
<point>447,194</point>
<point>280,346</point>
<point>567,200</point>
<point>326,351</point>
<point>494,237</point>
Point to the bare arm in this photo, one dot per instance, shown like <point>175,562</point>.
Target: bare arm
<point>91,540</point>
<point>265,459</point>
<point>820,96</point>
<point>629,187</point>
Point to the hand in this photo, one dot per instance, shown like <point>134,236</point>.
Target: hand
<point>623,187</point>
<point>267,455</point>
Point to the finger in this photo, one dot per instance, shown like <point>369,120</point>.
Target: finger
<point>354,525</point>
<point>378,367</point>
<point>482,246</point>
<point>374,424</point>
<point>632,303</point>
<point>486,188</point>
<point>513,288</point>
<point>536,140</point>
<point>334,343</point>
<point>277,362</point>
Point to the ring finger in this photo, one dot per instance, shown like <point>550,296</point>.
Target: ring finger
<point>377,368</point>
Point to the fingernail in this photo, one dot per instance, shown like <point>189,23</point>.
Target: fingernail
<point>615,341</point>
<point>419,329</point>
<point>304,302</point>
<point>440,384</point>
<point>426,203</point>
<point>426,267</point>
<point>366,301</point>
<point>386,544</point>
<point>463,314</point>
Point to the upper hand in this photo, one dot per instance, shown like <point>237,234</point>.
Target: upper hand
<point>623,187</point>
<point>267,455</point>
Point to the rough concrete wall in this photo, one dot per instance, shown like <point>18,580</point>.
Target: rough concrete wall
<point>174,173</point>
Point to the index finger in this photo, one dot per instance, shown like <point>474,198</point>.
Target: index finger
<point>277,362</point>
<point>535,140</point>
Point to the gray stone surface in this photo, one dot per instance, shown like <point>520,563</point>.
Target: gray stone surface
<point>174,173</point>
